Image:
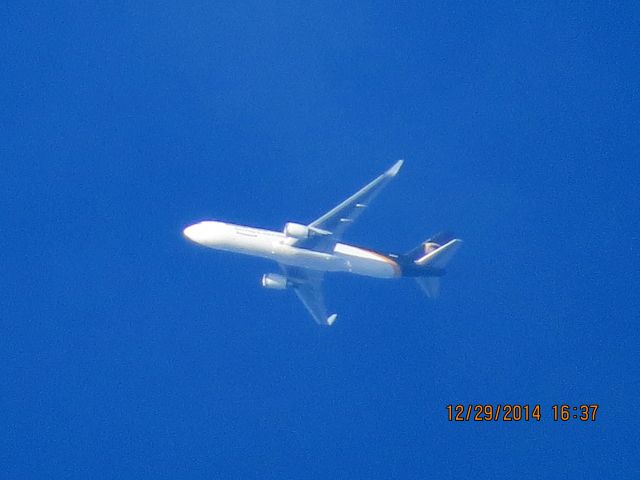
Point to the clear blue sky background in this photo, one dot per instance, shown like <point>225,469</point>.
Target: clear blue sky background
<point>126,352</point>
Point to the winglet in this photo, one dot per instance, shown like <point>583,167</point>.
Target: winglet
<point>331,319</point>
<point>395,169</point>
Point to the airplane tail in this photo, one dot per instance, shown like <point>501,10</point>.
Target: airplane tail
<point>434,254</point>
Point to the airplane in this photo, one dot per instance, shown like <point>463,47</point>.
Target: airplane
<point>306,252</point>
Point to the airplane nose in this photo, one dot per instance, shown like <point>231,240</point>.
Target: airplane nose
<point>207,233</point>
<point>190,233</point>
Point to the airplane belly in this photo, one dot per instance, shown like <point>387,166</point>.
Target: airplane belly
<point>370,265</point>
<point>345,258</point>
<point>300,257</point>
<point>371,268</point>
<point>274,249</point>
<point>366,262</point>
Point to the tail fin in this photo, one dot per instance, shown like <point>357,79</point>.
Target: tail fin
<point>433,254</point>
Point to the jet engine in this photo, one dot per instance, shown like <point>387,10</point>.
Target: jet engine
<point>296,230</point>
<point>275,281</point>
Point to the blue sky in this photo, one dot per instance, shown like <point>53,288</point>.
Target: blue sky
<point>127,352</point>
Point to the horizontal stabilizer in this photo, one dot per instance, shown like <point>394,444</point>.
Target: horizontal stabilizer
<point>430,286</point>
<point>440,257</point>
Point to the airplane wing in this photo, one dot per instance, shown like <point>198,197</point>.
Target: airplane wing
<point>338,219</point>
<point>308,286</point>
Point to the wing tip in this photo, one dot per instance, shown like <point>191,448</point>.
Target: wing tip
<point>395,168</point>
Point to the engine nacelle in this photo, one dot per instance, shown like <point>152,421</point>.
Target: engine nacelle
<point>275,281</point>
<point>296,230</point>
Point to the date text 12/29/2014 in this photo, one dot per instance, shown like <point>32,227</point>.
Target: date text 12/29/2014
<point>520,412</point>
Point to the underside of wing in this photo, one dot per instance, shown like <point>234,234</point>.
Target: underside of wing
<point>338,219</point>
<point>308,287</point>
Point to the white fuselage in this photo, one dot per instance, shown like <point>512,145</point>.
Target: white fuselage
<point>277,246</point>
